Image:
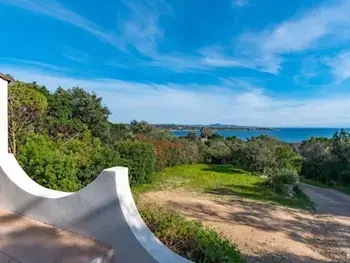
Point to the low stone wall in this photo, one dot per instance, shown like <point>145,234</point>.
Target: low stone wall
<point>104,210</point>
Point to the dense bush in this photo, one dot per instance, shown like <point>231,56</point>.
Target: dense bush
<point>191,151</point>
<point>139,157</point>
<point>43,160</point>
<point>217,152</point>
<point>166,153</point>
<point>281,178</point>
<point>189,238</point>
<point>264,154</point>
<point>327,160</point>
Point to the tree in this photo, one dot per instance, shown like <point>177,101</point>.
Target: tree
<point>192,136</point>
<point>140,127</point>
<point>139,157</point>
<point>45,163</point>
<point>76,103</point>
<point>206,132</point>
<point>25,106</point>
<point>216,136</point>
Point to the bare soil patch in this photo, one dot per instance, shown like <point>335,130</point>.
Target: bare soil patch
<point>263,232</point>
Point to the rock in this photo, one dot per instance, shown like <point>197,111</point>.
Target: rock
<point>290,190</point>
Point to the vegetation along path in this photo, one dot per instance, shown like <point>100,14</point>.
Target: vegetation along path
<point>231,201</point>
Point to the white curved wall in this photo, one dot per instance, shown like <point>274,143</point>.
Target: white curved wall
<point>104,210</point>
<point>3,117</point>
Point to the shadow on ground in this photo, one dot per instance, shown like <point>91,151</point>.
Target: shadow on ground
<point>227,169</point>
<point>329,237</point>
<point>262,192</point>
<point>283,257</point>
<point>25,240</point>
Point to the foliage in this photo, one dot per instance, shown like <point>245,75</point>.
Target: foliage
<point>327,160</point>
<point>25,106</point>
<point>76,103</point>
<point>206,132</point>
<point>217,152</point>
<point>141,127</point>
<point>192,136</point>
<point>265,154</point>
<point>42,159</point>
<point>138,156</point>
<point>216,136</point>
<point>281,178</point>
<point>166,153</point>
<point>189,238</point>
<point>60,128</point>
<point>191,151</point>
<point>89,155</point>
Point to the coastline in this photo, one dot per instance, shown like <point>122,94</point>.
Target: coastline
<point>289,135</point>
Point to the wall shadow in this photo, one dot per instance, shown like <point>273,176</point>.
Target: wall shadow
<point>26,240</point>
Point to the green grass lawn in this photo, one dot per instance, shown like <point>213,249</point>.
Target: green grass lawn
<point>343,189</point>
<point>221,180</point>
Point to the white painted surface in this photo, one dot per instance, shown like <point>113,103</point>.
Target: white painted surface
<point>104,210</point>
<point>3,118</point>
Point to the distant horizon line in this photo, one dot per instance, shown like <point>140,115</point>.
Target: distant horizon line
<point>246,126</point>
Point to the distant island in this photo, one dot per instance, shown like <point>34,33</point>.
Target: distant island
<point>216,126</point>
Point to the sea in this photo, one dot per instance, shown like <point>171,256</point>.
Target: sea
<point>283,134</point>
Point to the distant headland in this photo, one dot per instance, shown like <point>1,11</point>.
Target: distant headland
<point>216,126</point>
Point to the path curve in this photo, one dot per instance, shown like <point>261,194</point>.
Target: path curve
<point>328,201</point>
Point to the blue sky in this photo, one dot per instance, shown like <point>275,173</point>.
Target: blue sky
<point>245,62</point>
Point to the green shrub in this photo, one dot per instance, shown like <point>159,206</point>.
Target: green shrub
<point>138,156</point>
<point>189,238</point>
<point>219,152</point>
<point>283,177</point>
<point>43,161</point>
<point>191,152</point>
<point>264,154</point>
<point>104,158</point>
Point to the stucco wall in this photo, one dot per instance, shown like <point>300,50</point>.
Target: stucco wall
<point>104,210</point>
<point>3,117</point>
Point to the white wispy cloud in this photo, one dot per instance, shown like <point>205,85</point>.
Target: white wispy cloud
<point>193,103</point>
<point>340,66</point>
<point>33,63</point>
<point>310,30</point>
<point>239,3</point>
<point>54,9</point>
<point>137,29</point>
<point>74,54</point>
<point>215,56</point>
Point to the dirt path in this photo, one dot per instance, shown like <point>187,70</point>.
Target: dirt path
<point>262,232</point>
<point>328,201</point>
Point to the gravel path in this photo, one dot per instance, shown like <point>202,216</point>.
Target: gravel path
<point>268,233</point>
<point>334,207</point>
<point>328,201</point>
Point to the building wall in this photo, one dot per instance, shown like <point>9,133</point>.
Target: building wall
<point>3,117</point>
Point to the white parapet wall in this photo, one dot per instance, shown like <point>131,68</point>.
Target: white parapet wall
<point>104,210</point>
<point>3,117</point>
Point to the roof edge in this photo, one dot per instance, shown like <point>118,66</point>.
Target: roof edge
<point>5,77</point>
